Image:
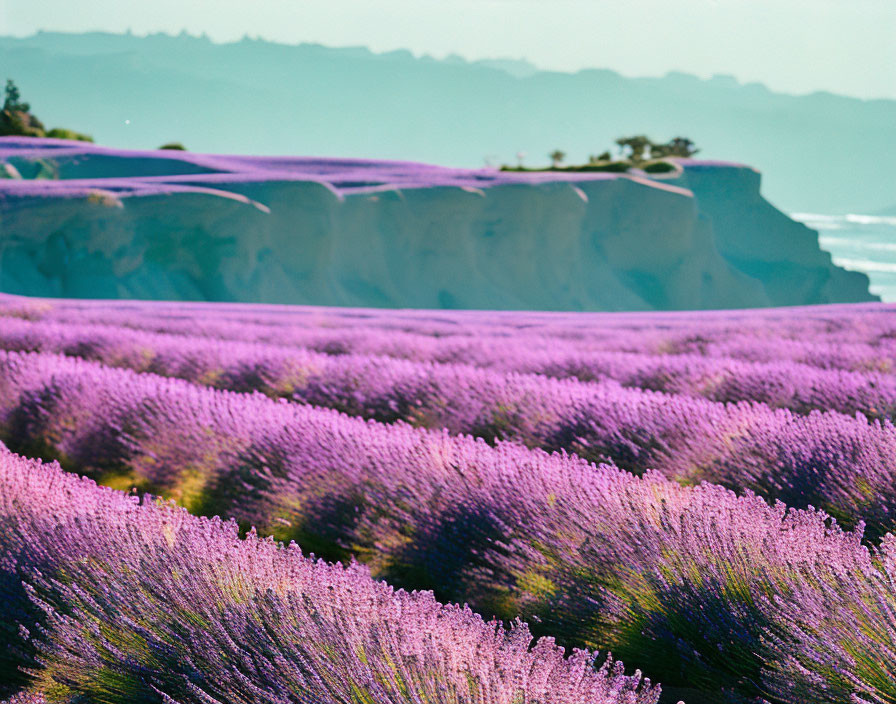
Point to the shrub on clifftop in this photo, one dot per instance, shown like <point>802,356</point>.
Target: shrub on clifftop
<point>16,119</point>
<point>636,152</point>
<point>63,133</point>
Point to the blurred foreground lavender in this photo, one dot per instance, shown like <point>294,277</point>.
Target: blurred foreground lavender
<point>133,600</point>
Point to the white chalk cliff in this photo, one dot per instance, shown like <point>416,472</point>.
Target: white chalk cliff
<point>77,220</point>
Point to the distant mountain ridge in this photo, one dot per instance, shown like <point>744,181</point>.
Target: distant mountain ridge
<point>818,153</point>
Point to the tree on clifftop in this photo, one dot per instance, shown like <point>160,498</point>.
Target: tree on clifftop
<point>633,148</point>
<point>16,119</point>
<point>637,151</point>
<point>13,98</point>
<point>679,146</point>
<point>557,156</point>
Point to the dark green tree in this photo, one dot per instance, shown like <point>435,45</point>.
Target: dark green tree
<point>634,148</point>
<point>557,156</point>
<point>679,146</point>
<point>598,158</point>
<point>682,146</point>
<point>13,101</point>
<point>15,118</point>
<point>659,151</point>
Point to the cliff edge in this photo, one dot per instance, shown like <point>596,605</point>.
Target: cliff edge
<point>79,220</point>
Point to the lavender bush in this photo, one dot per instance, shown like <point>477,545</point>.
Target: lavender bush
<point>141,602</point>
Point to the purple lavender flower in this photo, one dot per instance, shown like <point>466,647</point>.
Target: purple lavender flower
<point>139,601</point>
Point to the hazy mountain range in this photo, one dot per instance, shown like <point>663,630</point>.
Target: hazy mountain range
<point>819,152</point>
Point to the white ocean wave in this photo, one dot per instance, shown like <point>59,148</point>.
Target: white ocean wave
<point>866,265</point>
<point>819,220</point>
<point>822,222</point>
<point>826,241</point>
<point>816,217</point>
<point>865,243</point>
<point>871,220</point>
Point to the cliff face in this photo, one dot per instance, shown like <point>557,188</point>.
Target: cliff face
<point>84,221</point>
<point>764,243</point>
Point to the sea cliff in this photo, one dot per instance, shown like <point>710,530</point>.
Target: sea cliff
<point>80,220</point>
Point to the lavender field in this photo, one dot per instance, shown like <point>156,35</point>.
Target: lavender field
<point>245,503</point>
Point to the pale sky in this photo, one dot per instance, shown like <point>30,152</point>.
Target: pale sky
<point>796,46</point>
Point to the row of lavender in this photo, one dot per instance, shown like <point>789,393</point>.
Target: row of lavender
<point>719,593</point>
<point>106,598</point>
<point>828,460</point>
<point>866,321</point>
<point>853,338</point>
<point>386,388</point>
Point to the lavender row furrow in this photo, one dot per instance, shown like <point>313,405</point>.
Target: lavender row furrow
<point>109,598</point>
<point>688,581</point>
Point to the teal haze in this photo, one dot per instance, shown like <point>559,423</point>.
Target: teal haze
<point>263,98</point>
<point>795,46</point>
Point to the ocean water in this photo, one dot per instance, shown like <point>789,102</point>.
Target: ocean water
<point>862,243</point>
